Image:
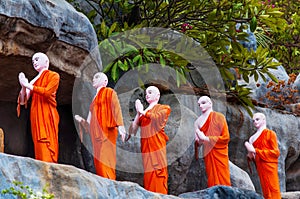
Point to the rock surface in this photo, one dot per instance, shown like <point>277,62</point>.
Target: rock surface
<point>222,192</point>
<point>66,181</point>
<point>290,195</point>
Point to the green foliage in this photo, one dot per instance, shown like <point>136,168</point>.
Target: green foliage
<point>286,43</point>
<point>212,24</point>
<point>25,192</point>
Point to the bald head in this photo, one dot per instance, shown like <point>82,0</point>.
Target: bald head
<point>205,104</point>
<point>152,94</point>
<point>259,120</point>
<point>100,80</point>
<point>154,89</point>
<point>260,115</point>
<point>40,61</point>
<point>205,98</point>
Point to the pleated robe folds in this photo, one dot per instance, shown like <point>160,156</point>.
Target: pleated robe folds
<point>216,150</point>
<point>266,159</point>
<point>106,116</point>
<point>44,117</point>
<point>153,148</point>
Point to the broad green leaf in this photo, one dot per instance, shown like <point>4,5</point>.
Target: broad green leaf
<point>255,76</point>
<point>275,13</point>
<point>253,24</point>
<point>245,77</point>
<point>272,77</point>
<point>136,58</point>
<point>108,67</point>
<point>115,72</point>
<point>162,61</point>
<point>103,29</point>
<point>130,48</point>
<point>112,28</point>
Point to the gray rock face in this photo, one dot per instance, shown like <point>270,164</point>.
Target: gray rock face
<point>69,182</point>
<point>65,181</point>
<point>222,192</point>
<point>290,195</point>
<point>60,17</point>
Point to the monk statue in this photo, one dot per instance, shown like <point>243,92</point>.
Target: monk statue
<point>152,122</point>
<point>263,149</point>
<point>44,117</point>
<point>103,123</point>
<point>211,132</point>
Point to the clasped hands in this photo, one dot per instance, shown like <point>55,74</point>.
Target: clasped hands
<point>251,150</point>
<point>200,137</point>
<point>139,107</point>
<point>24,81</point>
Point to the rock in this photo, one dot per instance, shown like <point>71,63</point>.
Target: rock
<point>240,178</point>
<point>293,172</point>
<point>251,44</point>
<point>65,181</point>
<point>290,195</point>
<point>227,192</point>
<point>297,83</point>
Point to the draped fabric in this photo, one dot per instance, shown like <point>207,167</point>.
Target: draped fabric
<point>44,117</point>
<point>153,148</point>
<point>266,160</point>
<point>216,150</point>
<point>106,116</point>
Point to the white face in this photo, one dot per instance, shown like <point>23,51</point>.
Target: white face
<point>204,104</point>
<point>259,120</point>
<point>39,62</point>
<point>152,94</point>
<point>100,80</point>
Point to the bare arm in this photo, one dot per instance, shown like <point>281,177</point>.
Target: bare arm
<point>134,125</point>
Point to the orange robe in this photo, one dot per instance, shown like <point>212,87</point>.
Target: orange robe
<point>266,159</point>
<point>216,150</point>
<point>106,116</point>
<point>153,148</point>
<point>44,117</point>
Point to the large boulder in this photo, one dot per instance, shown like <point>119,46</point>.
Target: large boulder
<point>222,192</point>
<point>64,181</point>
